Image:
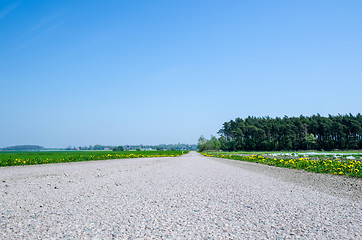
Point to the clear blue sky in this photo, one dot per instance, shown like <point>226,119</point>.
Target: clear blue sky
<point>150,72</point>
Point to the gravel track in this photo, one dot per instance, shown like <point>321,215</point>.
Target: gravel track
<point>187,197</point>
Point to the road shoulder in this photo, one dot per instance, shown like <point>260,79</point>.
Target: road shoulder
<point>339,186</point>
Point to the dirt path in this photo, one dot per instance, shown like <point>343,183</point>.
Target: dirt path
<point>187,197</point>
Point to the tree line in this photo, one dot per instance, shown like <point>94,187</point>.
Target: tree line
<point>288,133</point>
<point>23,148</point>
<point>160,147</point>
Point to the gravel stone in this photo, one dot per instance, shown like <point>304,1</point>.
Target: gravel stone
<point>186,197</point>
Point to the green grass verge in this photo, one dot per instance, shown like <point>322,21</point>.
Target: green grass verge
<point>296,152</point>
<point>351,168</point>
<point>32,158</point>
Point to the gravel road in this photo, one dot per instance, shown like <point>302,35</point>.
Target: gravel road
<point>187,197</point>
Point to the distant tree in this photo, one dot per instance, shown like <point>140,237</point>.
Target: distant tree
<point>223,143</point>
<point>119,148</point>
<point>202,143</point>
<point>98,147</point>
<point>310,140</point>
<point>214,144</point>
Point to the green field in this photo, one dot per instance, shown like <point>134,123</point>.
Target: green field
<point>342,165</point>
<point>32,158</point>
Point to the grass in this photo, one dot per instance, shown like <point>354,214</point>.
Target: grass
<point>296,152</point>
<point>32,158</point>
<point>351,168</point>
<point>290,154</point>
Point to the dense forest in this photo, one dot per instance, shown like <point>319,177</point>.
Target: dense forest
<point>288,133</point>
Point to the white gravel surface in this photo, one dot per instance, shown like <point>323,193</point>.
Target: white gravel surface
<point>187,197</point>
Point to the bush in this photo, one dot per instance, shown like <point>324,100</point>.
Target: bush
<point>119,148</point>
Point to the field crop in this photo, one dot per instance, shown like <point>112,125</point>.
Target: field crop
<point>31,158</point>
<point>351,168</point>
